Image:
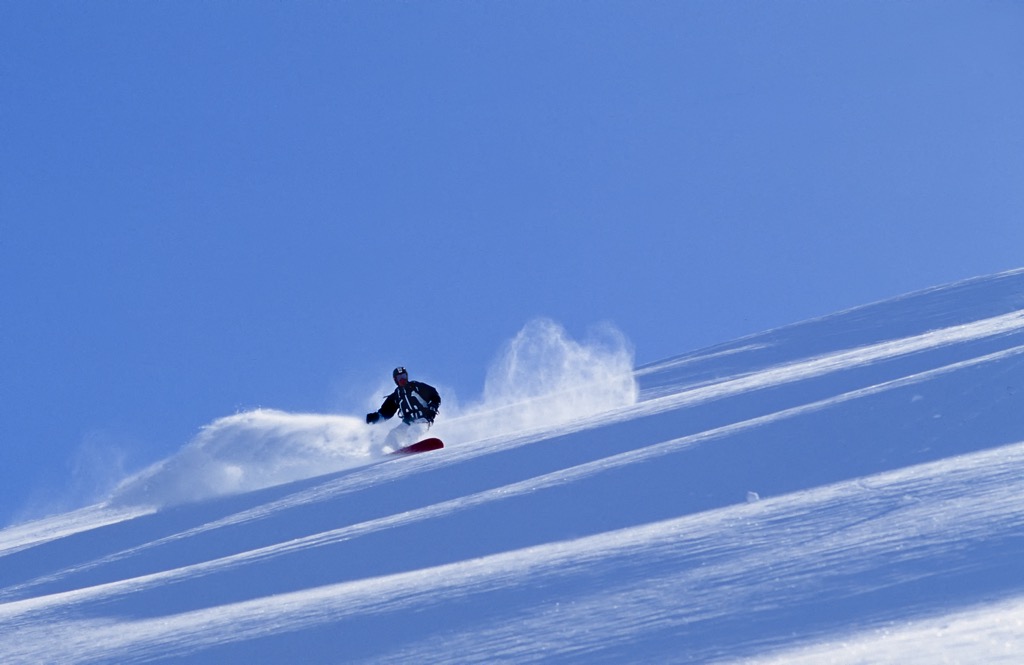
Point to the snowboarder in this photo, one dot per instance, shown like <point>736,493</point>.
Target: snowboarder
<point>417,401</point>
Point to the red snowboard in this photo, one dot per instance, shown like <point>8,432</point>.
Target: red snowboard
<point>420,447</point>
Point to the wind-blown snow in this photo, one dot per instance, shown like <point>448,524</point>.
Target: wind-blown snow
<point>844,490</point>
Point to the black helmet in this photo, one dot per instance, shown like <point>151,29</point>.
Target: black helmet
<point>400,373</point>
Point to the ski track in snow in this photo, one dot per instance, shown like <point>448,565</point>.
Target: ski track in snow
<point>16,538</point>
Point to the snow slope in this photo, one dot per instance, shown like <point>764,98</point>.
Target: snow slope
<point>843,490</point>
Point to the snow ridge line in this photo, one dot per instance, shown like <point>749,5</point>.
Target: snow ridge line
<point>841,360</point>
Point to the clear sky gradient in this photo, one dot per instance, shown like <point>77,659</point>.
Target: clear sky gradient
<point>213,206</point>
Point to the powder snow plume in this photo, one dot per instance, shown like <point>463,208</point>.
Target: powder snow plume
<point>544,378</point>
<point>250,451</point>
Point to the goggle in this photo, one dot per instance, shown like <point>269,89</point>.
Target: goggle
<point>401,377</point>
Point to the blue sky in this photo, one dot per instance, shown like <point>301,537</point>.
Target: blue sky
<point>209,207</point>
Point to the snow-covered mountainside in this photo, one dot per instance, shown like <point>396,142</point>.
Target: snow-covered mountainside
<point>847,489</point>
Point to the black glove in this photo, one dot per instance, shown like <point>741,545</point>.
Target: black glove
<point>372,417</point>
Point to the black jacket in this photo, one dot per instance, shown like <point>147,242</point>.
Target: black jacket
<point>416,401</point>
